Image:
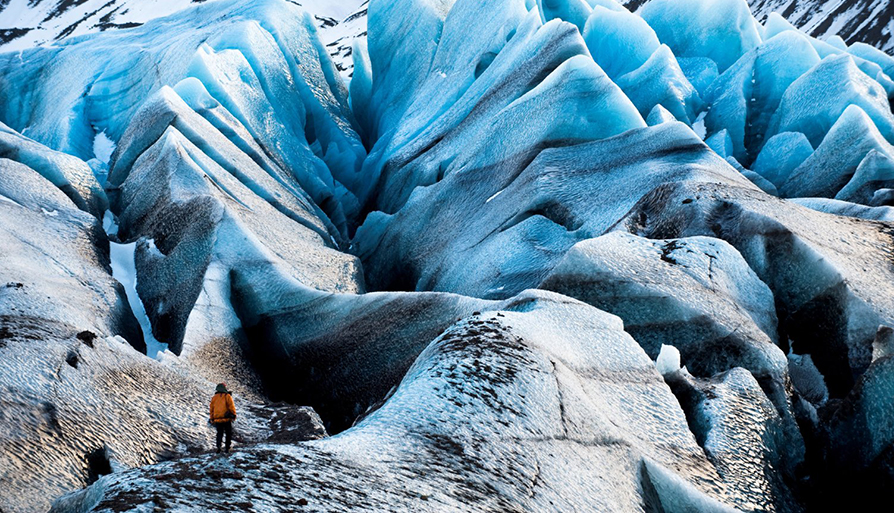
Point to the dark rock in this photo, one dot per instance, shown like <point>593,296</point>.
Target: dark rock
<point>87,337</point>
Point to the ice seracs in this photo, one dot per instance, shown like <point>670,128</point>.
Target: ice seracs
<point>380,253</point>
<point>698,295</point>
<point>551,384</point>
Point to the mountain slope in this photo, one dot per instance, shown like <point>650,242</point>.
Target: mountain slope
<point>866,21</point>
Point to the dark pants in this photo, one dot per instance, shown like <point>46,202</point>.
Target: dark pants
<point>224,428</point>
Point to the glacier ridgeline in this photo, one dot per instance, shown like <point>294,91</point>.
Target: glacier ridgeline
<point>466,262</point>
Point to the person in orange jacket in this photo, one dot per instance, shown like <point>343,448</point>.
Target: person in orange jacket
<point>223,413</point>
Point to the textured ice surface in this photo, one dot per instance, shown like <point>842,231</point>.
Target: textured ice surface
<point>511,242</point>
<point>619,41</point>
<point>552,384</point>
<point>721,143</point>
<point>357,348</point>
<point>660,81</point>
<point>576,12</point>
<point>814,102</point>
<point>534,84</point>
<point>70,388</point>
<point>659,115</point>
<point>872,181</point>
<point>829,274</point>
<point>834,163</point>
<point>261,60</point>
<point>207,209</point>
<point>755,450</point>
<point>507,146</point>
<point>745,97</point>
<point>696,294</point>
<point>68,398</point>
<point>721,30</point>
<point>28,23</point>
<point>45,235</point>
<point>71,175</point>
<point>781,155</point>
<point>845,208</point>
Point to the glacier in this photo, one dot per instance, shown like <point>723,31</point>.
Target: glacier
<point>518,255</point>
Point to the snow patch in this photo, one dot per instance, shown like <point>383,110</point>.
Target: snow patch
<point>103,147</point>
<point>668,360</point>
<point>124,270</point>
<point>699,126</point>
<point>10,200</point>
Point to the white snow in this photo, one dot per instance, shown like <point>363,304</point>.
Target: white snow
<point>103,147</point>
<point>668,360</point>
<point>124,270</point>
<point>494,196</point>
<point>699,126</point>
<point>10,200</point>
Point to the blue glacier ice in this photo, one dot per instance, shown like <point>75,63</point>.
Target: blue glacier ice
<point>575,12</point>
<point>814,102</point>
<point>516,79</point>
<point>745,97</point>
<point>660,81</point>
<point>281,86</point>
<point>721,30</point>
<point>70,174</point>
<point>781,155</point>
<point>700,71</point>
<point>721,143</point>
<point>466,260</point>
<point>873,54</point>
<point>619,41</point>
<point>825,172</point>
<point>776,24</point>
<point>659,115</point>
<point>873,180</point>
<point>848,209</point>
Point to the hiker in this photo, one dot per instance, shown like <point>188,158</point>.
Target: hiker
<point>223,413</point>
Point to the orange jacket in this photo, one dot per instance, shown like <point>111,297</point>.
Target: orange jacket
<point>222,408</point>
